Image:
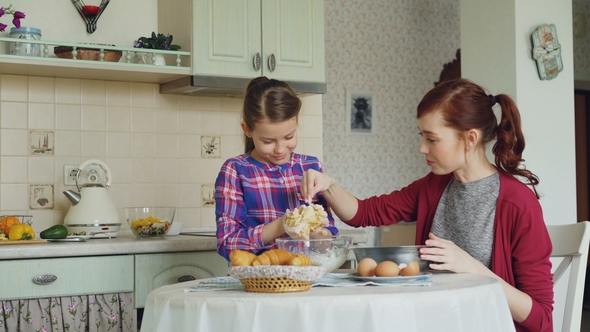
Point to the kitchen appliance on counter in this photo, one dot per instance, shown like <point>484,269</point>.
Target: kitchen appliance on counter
<point>92,209</point>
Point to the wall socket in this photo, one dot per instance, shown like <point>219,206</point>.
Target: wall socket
<point>92,173</point>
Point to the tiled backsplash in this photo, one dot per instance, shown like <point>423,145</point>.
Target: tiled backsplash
<point>161,149</point>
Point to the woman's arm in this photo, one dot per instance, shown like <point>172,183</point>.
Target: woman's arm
<point>341,202</point>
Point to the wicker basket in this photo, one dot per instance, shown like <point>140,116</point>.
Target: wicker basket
<point>65,52</point>
<point>275,285</point>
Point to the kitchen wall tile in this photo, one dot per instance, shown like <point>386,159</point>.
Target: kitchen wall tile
<point>143,145</point>
<point>208,195</point>
<point>121,169</point>
<point>142,194</point>
<point>14,115</point>
<point>166,194</point>
<point>144,170</point>
<point>311,105</point>
<point>41,89</point>
<point>187,102</point>
<point>41,170</point>
<point>14,88</point>
<point>312,147</point>
<point>68,91</point>
<point>41,116</point>
<point>118,93</point>
<point>119,144</point>
<point>60,201</point>
<point>209,168</point>
<point>189,146</point>
<point>94,117</point>
<point>189,195</point>
<point>121,196</point>
<point>231,123</point>
<point>166,146</point>
<point>93,92</point>
<point>189,170</point>
<point>166,121</point>
<point>190,216</point>
<point>68,117</point>
<point>15,142</point>
<point>14,169</point>
<point>189,122</point>
<point>69,143</point>
<point>232,105</point>
<point>118,118</point>
<point>208,103</point>
<point>41,196</point>
<point>143,120</point>
<point>210,146</point>
<point>208,218</point>
<point>310,126</point>
<point>15,197</point>
<point>233,145</point>
<point>166,100</point>
<point>94,144</point>
<point>143,95</point>
<point>167,171</point>
<point>210,123</point>
<point>42,219</point>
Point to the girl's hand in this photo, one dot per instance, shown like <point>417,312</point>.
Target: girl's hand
<point>446,255</point>
<point>320,233</point>
<point>314,182</point>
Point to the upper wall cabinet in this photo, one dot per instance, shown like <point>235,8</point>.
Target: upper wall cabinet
<point>232,41</point>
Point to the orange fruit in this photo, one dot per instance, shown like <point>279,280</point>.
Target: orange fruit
<point>6,223</point>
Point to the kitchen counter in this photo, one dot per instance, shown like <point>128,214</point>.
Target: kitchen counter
<point>120,245</point>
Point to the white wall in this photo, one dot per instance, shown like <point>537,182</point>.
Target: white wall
<point>496,53</point>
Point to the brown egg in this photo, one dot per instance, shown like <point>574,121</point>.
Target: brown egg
<point>386,269</point>
<point>366,267</point>
<point>412,269</point>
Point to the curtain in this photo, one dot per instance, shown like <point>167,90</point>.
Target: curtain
<point>99,313</point>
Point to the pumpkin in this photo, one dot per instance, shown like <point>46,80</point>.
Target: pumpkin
<point>6,223</point>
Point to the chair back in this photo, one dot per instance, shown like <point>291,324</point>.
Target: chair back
<point>571,241</point>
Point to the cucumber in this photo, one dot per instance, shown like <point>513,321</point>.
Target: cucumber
<point>55,232</point>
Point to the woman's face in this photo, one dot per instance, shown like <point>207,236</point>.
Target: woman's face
<point>444,151</point>
<point>274,141</point>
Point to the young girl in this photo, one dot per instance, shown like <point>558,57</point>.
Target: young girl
<point>254,190</point>
<point>477,217</point>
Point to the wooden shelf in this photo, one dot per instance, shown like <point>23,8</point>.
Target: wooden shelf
<point>93,70</point>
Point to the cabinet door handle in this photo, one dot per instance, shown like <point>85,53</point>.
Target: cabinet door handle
<point>256,61</point>
<point>186,278</point>
<point>44,279</point>
<point>272,62</point>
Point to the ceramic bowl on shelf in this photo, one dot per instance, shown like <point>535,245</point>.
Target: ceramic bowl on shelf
<point>150,221</point>
<point>330,253</point>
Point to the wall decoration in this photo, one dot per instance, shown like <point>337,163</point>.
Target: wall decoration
<point>208,195</point>
<point>210,146</point>
<point>547,51</point>
<point>360,112</point>
<point>41,196</point>
<point>41,142</point>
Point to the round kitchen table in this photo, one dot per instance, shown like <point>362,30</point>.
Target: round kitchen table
<point>453,302</point>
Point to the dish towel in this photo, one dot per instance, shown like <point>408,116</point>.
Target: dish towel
<point>327,280</point>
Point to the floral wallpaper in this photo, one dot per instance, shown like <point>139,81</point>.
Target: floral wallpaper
<point>397,50</point>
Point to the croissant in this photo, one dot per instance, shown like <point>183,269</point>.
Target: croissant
<point>241,257</point>
<point>272,257</point>
<point>299,260</point>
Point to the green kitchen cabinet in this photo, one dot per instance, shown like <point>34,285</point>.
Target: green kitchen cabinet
<point>281,39</point>
<point>155,270</point>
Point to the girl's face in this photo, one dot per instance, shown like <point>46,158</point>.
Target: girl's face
<point>444,151</point>
<point>273,141</point>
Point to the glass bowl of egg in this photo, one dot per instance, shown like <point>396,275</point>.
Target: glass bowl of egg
<point>330,253</point>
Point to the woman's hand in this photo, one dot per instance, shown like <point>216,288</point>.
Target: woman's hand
<point>446,255</point>
<point>314,182</point>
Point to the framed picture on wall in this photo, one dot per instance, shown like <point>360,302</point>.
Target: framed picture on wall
<point>360,112</point>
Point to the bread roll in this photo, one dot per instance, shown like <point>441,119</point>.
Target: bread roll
<point>272,257</point>
<point>299,260</point>
<point>241,257</point>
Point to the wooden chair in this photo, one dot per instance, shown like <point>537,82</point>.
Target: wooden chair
<point>571,241</point>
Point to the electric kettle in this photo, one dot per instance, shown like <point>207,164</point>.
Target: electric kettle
<point>92,209</point>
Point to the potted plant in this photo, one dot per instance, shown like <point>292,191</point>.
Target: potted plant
<point>158,41</point>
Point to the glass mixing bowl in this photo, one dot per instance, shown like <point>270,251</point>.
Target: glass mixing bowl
<point>330,253</point>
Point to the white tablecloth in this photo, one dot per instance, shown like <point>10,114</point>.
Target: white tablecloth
<point>454,302</point>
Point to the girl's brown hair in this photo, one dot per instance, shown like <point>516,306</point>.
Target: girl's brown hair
<point>465,105</point>
<point>268,99</point>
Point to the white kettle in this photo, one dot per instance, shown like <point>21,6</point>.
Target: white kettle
<point>92,207</point>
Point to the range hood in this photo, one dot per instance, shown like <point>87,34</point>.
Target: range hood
<point>228,86</point>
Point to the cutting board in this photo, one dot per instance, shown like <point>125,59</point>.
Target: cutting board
<point>22,242</point>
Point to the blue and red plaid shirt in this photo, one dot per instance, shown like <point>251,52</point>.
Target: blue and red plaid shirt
<point>250,194</point>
